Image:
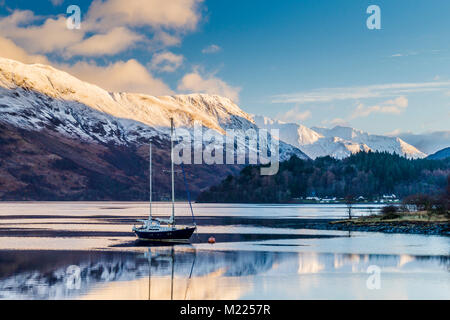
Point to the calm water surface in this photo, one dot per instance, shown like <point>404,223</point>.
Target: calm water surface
<point>63,250</point>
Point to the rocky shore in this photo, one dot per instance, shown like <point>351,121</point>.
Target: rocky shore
<point>427,228</point>
<point>375,224</point>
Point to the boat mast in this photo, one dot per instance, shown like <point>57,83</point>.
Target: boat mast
<point>173,181</point>
<point>171,278</point>
<point>149,257</point>
<point>150,181</point>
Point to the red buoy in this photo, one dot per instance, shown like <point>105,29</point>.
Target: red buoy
<point>211,240</point>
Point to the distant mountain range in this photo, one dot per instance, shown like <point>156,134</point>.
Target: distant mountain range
<point>338,142</point>
<point>62,138</point>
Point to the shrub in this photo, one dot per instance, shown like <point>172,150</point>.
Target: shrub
<point>439,204</point>
<point>390,212</point>
<point>389,209</point>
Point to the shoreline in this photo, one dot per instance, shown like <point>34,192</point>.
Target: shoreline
<point>374,224</point>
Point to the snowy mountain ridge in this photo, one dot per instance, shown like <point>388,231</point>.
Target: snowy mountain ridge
<point>212,110</point>
<point>37,96</point>
<point>428,142</point>
<point>338,142</point>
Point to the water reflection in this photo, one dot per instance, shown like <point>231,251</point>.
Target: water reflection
<point>182,272</point>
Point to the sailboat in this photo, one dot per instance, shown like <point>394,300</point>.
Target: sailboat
<point>155,229</point>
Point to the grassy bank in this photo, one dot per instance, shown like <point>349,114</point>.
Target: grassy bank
<point>421,222</point>
<point>398,217</point>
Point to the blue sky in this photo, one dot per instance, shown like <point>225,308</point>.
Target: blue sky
<point>313,62</point>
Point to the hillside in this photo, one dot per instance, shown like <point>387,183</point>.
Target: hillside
<point>428,142</point>
<point>65,139</point>
<point>441,154</point>
<point>369,175</point>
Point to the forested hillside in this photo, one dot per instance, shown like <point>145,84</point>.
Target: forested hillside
<point>363,174</point>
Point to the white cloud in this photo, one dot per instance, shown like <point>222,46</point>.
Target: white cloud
<point>410,53</point>
<point>401,102</point>
<point>349,93</point>
<point>173,14</point>
<point>213,48</point>
<point>11,51</point>
<point>166,39</point>
<point>195,82</point>
<point>393,106</point>
<point>294,115</point>
<point>113,42</point>
<point>50,36</point>
<point>336,122</point>
<point>109,27</point>
<point>393,133</point>
<point>166,61</point>
<point>122,76</point>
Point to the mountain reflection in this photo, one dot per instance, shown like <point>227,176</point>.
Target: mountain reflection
<point>177,272</point>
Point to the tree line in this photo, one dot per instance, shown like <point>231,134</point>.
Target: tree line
<point>364,174</point>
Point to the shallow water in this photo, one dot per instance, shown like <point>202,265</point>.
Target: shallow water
<point>62,250</point>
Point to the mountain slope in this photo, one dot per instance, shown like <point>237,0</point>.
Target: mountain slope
<point>62,138</point>
<point>428,142</point>
<point>370,175</point>
<point>213,111</point>
<point>46,165</point>
<point>36,96</point>
<point>441,154</point>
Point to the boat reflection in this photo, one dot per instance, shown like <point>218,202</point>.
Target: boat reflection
<point>158,256</point>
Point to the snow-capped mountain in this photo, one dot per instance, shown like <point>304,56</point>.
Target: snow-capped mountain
<point>339,142</point>
<point>38,96</point>
<point>292,133</point>
<point>372,141</point>
<point>62,138</point>
<point>430,142</point>
<point>34,93</point>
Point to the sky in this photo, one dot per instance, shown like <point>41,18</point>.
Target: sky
<point>312,62</point>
